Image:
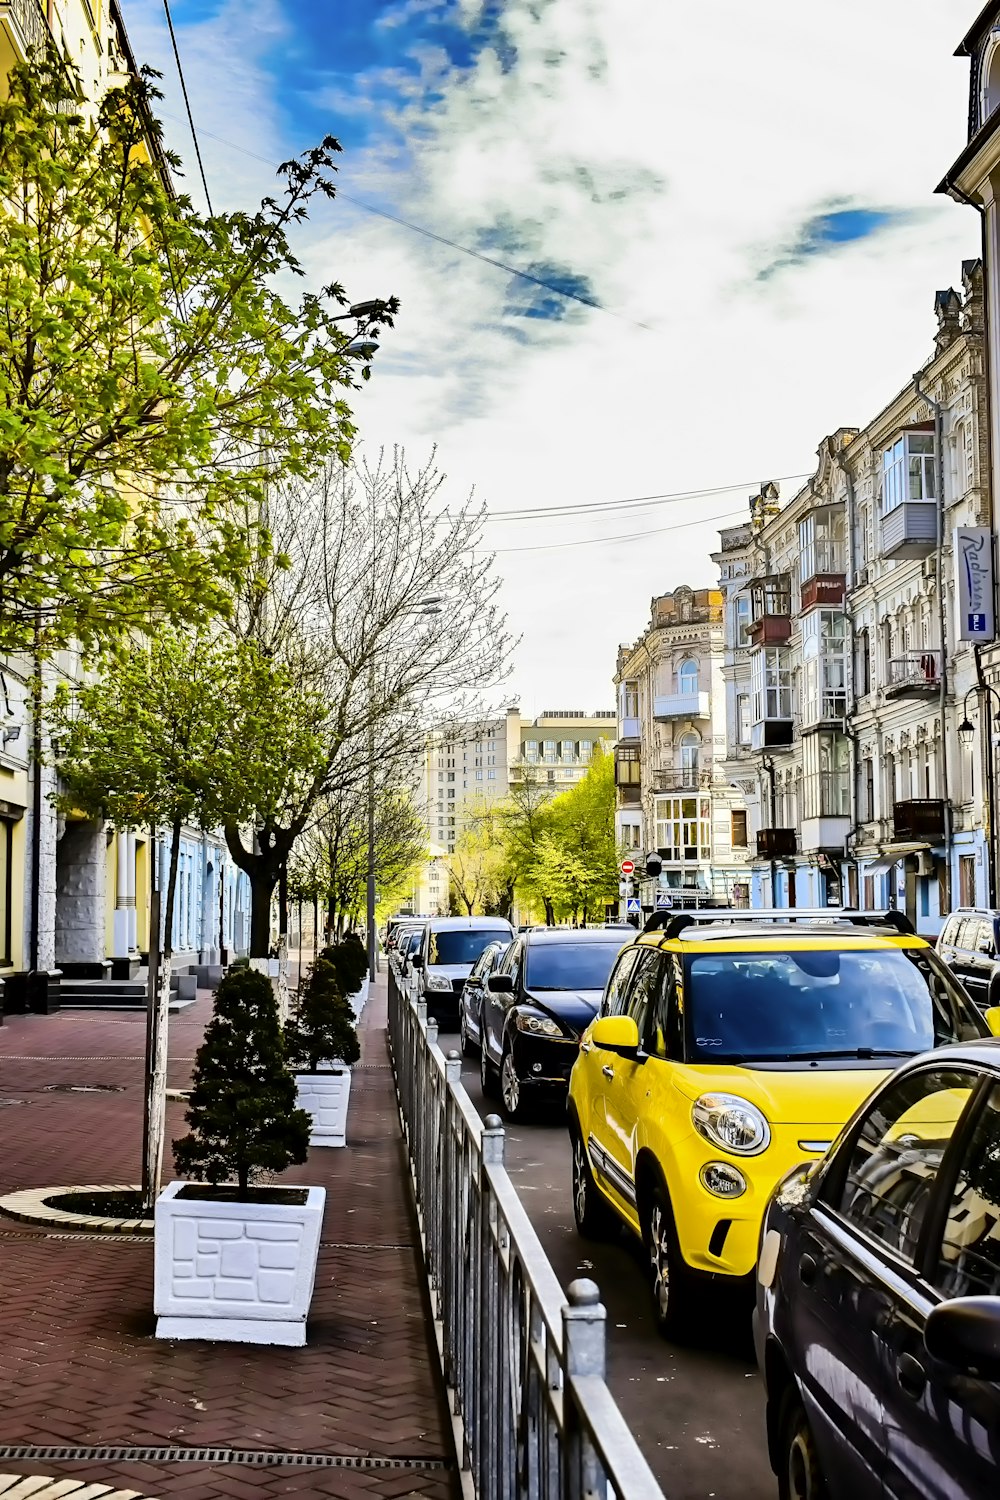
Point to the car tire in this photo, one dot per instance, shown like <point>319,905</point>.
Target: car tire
<point>488,1081</point>
<point>592,1214</point>
<point>800,1476</point>
<point>674,1295</point>
<point>512,1100</point>
<point>469,1049</point>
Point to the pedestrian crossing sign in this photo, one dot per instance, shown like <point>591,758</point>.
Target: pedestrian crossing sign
<point>633,906</point>
<point>664,901</point>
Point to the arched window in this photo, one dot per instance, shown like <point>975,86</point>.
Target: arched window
<point>687,678</point>
<point>690,747</point>
<point>989,96</point>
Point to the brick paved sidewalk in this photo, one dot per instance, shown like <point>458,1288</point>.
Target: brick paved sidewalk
<point>79,1368</point>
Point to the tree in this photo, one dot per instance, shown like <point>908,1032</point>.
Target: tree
<point>578,854</point>
<point>152,375</point>
<point>184,730</point>
<point>242,1110</point>
<point>323,1028</point>
<point>522,822</point>
<point>478,867</point>
<point>394,612</point>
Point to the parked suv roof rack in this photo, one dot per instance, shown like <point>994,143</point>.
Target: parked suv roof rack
<point>672,924</point>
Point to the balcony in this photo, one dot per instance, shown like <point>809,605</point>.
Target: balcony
<point>681,706</point>
<point>673,780</point>
<point>917,674</point>
<point>25,27</point>
<point>910,530</point>
<point>920,821</point>
<point>630,727</point>
<point>629,796</point>
<point>770,630</point>
<point>771,734</point>
<point>776,843</point>
<point>822,589</point>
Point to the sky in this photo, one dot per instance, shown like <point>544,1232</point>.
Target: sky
<point>725,223</point>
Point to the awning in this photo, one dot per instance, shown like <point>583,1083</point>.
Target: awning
<point>891,855</point>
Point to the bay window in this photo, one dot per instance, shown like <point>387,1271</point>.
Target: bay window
<point>826,761</point>
<point>683,829</point>
<point>908,470</point>
<point>771,683</point>
<point>822,543</point>
<point>824,666</point>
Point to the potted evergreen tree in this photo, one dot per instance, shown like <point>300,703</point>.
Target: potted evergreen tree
<point>236,1261</point>
<point>322,1042</point>
<point>350,960</point>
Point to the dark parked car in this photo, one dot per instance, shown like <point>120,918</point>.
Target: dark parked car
<point>969,944</point>
<point>878,1295</point>
<point>543,995</point>
<point>470,1005</point>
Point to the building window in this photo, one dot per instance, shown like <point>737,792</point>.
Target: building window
<point>864,682</point>
<point>908,470</point>
<point>771,683</point>
<point>822,543</point>
<point>741,839</point>
<point>690,748</point>
<point>966,880</point>
<point>868,776</point>
<point>631,836</point>
<point>687,678</point>
<point>684,828</point>
<point>550,750</point>
<point>586,751</point>
<point>568,750</point>
<point>479,775</point>
<point>630,700</point>
<point>531,750</point>
<point>741,620</point>
<point>743,718</point>
<point>491,775</point>
<point>826,760</point>
<point>627,767</point>
<point>824,666</point>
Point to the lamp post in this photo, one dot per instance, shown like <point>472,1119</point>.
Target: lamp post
<point>429,606</point>
<point>769,767</point>
<point>967,735</point>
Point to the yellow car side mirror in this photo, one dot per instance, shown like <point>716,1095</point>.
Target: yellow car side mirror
<point>993,1019</point>
<point>616,1034</point>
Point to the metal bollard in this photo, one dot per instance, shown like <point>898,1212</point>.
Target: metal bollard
<point>584,1353</point>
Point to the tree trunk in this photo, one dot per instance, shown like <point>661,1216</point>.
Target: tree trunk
<point>283,903</point>
<point>157,1042</point>
<point>550,916</point>
<point>262,883</point>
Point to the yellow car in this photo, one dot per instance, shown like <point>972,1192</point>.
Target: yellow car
<point>730,1047</point>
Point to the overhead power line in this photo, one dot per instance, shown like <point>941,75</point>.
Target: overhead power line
<point>637,502</point>
<point>187,103</point>
<point>631,536</point>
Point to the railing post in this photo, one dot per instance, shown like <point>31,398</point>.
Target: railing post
<point>487,1460</point>
<point>584,1353</point>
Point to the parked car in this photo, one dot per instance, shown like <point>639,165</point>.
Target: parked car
<point>470,1005</point>
<point>970,944</point>
<point>878,1296</point>
<point>729,1048</point>
<point>534,1008</point>
<point>449,948</point>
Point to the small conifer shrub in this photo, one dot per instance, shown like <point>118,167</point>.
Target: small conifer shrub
<point>242,1110</point>
<point>350,961</point>
<point>323,1029</point>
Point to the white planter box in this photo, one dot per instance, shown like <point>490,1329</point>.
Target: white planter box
<point>325,1095</point>
<point>235,1272</point>
<point>360,998</point>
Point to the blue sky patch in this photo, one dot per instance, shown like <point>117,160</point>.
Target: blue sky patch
<point>826,232</point>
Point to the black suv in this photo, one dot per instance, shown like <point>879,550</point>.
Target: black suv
<point>969,944</point>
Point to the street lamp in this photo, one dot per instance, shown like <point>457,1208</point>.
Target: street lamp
<point>432,605</point>
<point>967,735</point>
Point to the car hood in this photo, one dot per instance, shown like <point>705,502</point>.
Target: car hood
<point>451,971</point>
<point>575,1008</point>
<point>792,1096</point>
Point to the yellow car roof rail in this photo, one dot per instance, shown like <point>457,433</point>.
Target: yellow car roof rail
<point>672,924</point>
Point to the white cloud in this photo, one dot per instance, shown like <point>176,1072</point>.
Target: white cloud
<point>663,154</point>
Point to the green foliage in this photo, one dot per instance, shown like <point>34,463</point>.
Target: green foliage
<point>479,867</point>
<point>242,1110</point>
<point>323,1028</point>
<point>349,962</point>
<point>152,375</point>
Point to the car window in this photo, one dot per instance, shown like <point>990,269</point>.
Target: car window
<point>570,966</point>
<point>984,939</point>
<point>642,996</point>
<point>664,1038</point>
<point>460,945</point>
<point>617,991</point>
<point>486,961</point>
<point>965,936</point>
<point>823,1002</point>
<point>897,1154</point>
<point>512,962</point>
<point>968,1261</point>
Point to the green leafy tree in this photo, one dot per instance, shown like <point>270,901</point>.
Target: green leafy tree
<point>323,1027</point>
<point>242,1109</point>
<point>561,850</point>
<point>478,868</point>
<point>152,375</point>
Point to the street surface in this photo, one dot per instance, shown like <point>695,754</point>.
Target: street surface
<point>697,1413</point>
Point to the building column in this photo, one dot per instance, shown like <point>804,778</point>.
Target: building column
<point>120,930</point>
<point>130,889</point>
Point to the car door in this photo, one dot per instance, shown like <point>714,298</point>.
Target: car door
<point>625,1084</point>
<point>943,1426</point>
<point>589,1077</point>
<point>472,994</point>
<point>495,1007</point>
<point>857,1262</point>
<point>963,960</point>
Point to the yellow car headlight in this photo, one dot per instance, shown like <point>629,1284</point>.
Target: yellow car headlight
<point>732,1123</point>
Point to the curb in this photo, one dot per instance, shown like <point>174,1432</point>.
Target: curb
<point>41,1487</point>
<point>30,1207</point>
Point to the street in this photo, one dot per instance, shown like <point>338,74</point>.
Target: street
<point>697,1413</point>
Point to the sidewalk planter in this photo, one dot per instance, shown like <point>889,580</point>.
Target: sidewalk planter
<point>359,999</point>
<point>236,1272</point>
<point>325,1094</point>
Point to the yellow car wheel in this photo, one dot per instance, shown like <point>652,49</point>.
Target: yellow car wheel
<point>673,1293</point>
<point>594,1219</point>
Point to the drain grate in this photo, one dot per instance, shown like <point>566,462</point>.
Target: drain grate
<point>251,1457</point>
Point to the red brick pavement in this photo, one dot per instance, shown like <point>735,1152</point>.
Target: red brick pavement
<point>78,1364</point>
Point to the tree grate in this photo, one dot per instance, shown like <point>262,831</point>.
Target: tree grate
<point>256,1458</point>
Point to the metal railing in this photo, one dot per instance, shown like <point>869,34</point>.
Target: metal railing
<point>524,1367</point>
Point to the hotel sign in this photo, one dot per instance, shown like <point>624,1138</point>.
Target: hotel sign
<point>975,584</point>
